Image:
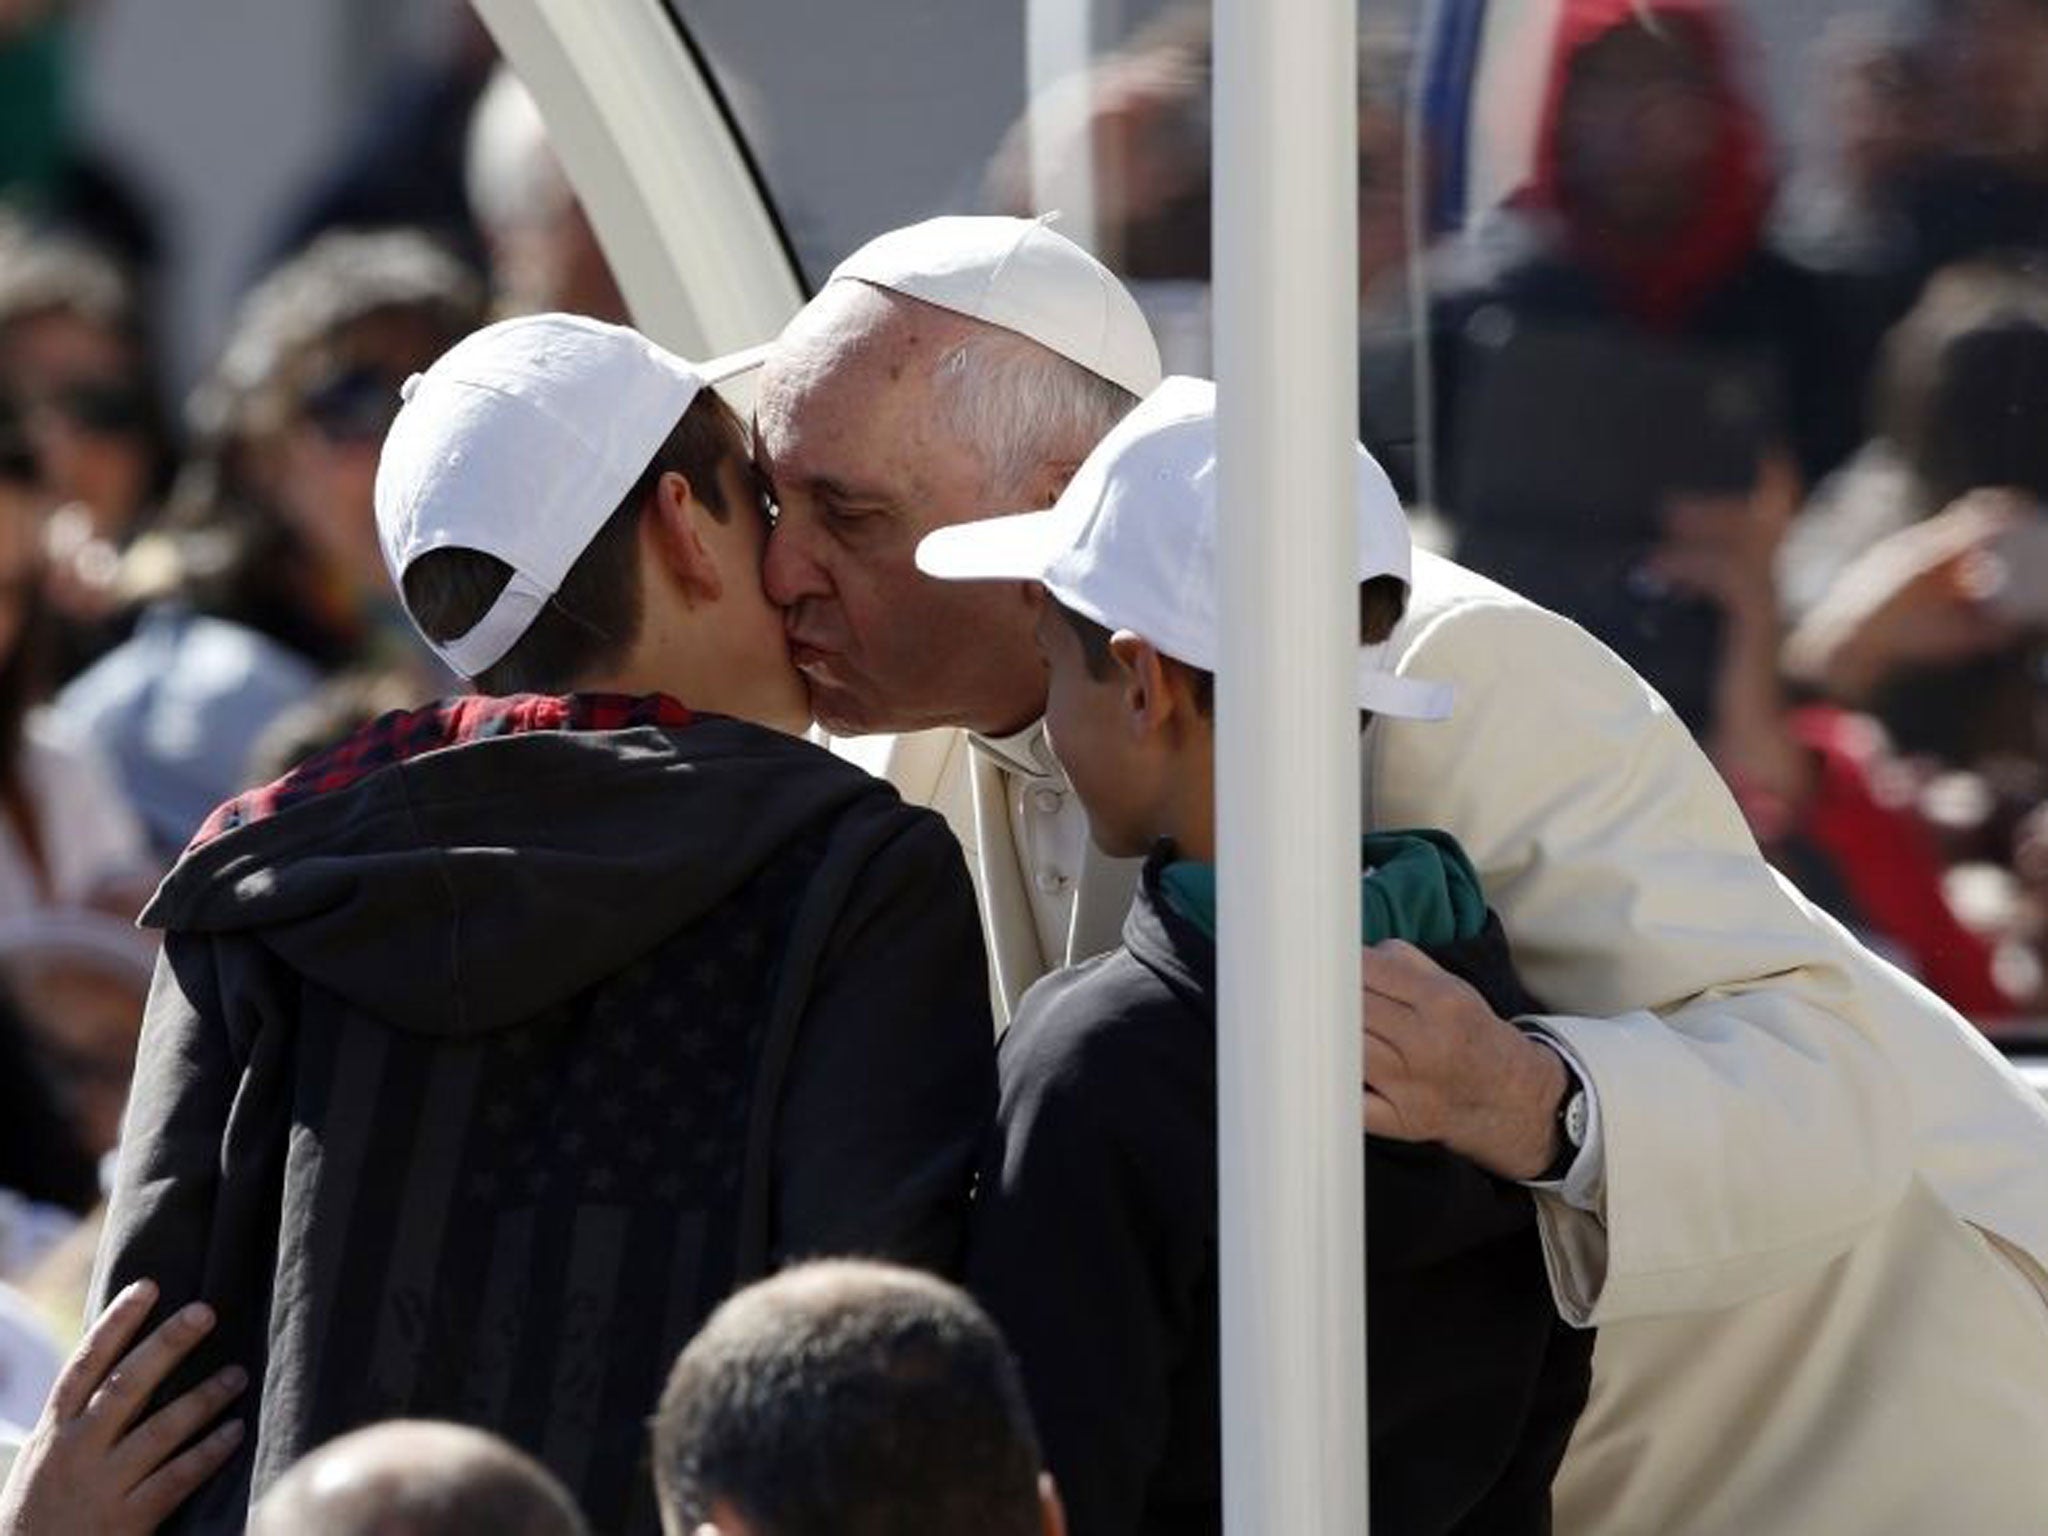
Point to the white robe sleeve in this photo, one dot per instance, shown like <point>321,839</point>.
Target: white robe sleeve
<point>1752,1127</point>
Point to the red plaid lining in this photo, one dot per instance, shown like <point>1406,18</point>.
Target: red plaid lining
<point>406,734</point>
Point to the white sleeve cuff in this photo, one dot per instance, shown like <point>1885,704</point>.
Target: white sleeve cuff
<point>1584,1185</point>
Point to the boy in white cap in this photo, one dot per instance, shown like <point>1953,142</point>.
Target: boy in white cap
<point>1094,1237</point>
<point>495,1046</point>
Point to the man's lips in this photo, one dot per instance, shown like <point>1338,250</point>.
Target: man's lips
<point>806,657</point>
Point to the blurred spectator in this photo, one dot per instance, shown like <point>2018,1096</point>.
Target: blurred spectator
<point>267,574</point>
<point>1646,215</point>
<point>66,835</point>
<point>82,980</point>
<point>1134,131</point>
<point>1911,574</point>
<point>47,1177</point>
<point>400,165</point>
<point>1919,581</point>
<point>74,354</point>
<point>1881,130</point>
<point>1850,215</point>
<point>543,253</point>
<point>306,387</point>
<point>1986,191</point>
<point>1817,785</point>
<point>410,1477</point>
<point>46,172</point>
<point>849,1399</point>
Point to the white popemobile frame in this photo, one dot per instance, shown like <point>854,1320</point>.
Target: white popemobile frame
<point>673,199</point>
<point>1291,1235</point>
<point>665,184</point>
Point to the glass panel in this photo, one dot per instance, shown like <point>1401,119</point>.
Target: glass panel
<point>1735,325</point>
<point>1670,310</point>
<point>896,110</point>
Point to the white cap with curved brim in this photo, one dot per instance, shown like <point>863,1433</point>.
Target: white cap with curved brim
<point>1020,274</point>
<point>521,441</point>
<point>1131,543</point>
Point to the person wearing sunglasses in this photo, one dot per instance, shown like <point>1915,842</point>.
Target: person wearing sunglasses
<point>264,576</point>
<point>74,354</point>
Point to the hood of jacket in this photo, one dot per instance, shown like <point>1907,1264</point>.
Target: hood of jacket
<point>1664,287</point>
<point>456,869</point>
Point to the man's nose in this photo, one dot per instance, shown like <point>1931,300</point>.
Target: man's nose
<point>790,573</point>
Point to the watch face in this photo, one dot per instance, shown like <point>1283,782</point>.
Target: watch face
<point>1575,1119</point>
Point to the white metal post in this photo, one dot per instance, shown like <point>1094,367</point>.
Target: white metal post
<point>1059,47</point>
<point>1292,1176</point>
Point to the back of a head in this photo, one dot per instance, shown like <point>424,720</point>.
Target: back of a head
<point>849,1398</point>
<point>301,306</point>
<point>1966,382</point>
<point>416,1478</point>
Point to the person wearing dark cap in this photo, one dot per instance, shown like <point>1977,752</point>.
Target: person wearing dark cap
<point>494,1046</point>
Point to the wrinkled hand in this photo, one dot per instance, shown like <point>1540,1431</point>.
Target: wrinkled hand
<point>1441,1066</point>
<point>89,1468</point>
<point>1915,599</point>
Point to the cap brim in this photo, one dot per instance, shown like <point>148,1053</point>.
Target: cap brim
<point>733,364</point>
<point>1019,547</point>
<point>1403,698</point>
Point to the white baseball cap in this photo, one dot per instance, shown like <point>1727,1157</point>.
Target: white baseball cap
<point>520,441</point>
<point>1131,543</point>
<point>1020,274</point>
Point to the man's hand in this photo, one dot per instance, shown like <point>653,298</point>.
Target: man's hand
<point>1441,1066</point>
<point>88,1468</point>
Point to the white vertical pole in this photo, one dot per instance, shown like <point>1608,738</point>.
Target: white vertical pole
<point>1059,47</point>
<point>1292,1191</point>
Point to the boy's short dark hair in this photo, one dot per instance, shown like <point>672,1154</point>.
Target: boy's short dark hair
<point>420,1477</point>
<point>853,1399</point>
<point>594,617</point>
<point>1381,602</point>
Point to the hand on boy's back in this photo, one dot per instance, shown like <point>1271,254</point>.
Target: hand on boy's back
<point>98,1463</point>
<point>1441,1066</point>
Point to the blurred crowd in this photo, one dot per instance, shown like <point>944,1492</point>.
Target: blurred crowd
<point>192,598</point>
<point>1776,438</point>
<point>1767,424</point>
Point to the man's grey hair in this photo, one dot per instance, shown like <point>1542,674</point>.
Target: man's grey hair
<point>1021,405</point>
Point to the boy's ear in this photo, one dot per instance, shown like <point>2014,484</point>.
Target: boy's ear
<point>674,522</point>
<point>1142,675</point>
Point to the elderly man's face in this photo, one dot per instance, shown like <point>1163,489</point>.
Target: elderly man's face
<point>863,465</point>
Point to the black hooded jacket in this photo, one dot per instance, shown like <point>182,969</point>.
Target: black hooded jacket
<point>1094,1246</point>
<point>490,1052</point>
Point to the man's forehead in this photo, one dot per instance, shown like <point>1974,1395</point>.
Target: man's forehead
<point>830,423</point>
<point>853,336</point>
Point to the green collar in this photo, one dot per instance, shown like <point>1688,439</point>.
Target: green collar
<point>1417,886</point>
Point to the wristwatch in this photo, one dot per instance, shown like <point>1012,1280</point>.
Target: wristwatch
<point>1571,1122</point>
